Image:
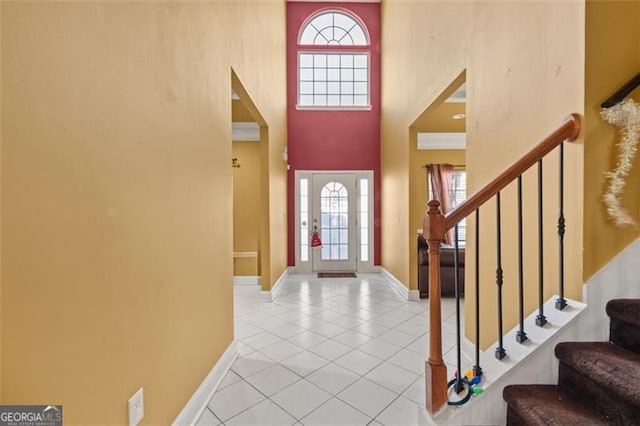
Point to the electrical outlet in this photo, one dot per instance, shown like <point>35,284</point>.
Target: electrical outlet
<point>136,408</point>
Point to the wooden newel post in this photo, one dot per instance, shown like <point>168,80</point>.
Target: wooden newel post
<point>435,369</point>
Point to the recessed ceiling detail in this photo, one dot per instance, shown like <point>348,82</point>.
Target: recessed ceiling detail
<point>245,131</point>
<point>442,140</point>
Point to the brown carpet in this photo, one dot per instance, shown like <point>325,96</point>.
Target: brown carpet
<point>337,275</point>
<point>597,381</point>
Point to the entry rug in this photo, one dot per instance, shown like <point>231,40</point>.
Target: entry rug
<point>337,275</point>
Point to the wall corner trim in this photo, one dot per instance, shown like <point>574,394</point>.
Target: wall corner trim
<point>399,286</point>
<point>270,295</point>
<point>199,400</point>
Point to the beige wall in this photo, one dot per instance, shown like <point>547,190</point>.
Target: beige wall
<point>524,73</point>
<point>1,137</point>
<point>612,58</point>
<point>439,117</point>
<point>116,196</point>
<point>246,205</point>
<point>411,81</point>
<point>239,112</point>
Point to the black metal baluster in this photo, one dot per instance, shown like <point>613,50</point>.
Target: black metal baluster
<point>540,318</point>
<point>500,352</point>
<point>459,387</point>
<point>561,302</point>
<point>521,336</point>
<point>477,370</point>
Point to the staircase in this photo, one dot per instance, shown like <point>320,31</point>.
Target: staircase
<point>598,382</point>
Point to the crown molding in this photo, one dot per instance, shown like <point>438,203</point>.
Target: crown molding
<point>442,140</point>
<point>245,131</point>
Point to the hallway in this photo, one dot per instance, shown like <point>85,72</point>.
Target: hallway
<point>328,351</point>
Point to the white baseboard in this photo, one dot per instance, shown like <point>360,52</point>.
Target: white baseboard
<point>270,295</point>
<point>246,280</point>
<point>367,269</point>
<point>399,286</point>
<point>199,400</point>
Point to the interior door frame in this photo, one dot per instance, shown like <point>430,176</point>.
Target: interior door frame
<point>362,264</point>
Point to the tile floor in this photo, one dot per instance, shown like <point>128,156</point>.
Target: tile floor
<point>333,351</point>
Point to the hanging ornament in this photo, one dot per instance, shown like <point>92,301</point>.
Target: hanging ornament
<point>626,117</point>
<point>315,240</point>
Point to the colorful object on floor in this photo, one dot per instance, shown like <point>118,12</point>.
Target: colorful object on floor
<point>315,240</point>
<point>470,382</point>
<point>465,384</point>
<point>475,380</point>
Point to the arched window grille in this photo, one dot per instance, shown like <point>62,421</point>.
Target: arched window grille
<point>333,62</point>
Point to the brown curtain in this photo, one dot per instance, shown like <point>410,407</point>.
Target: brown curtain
<point>441,178</point>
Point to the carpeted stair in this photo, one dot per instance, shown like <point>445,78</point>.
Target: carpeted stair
<point>598,382</point>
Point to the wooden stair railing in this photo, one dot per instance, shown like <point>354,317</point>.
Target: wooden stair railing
<point>435,225</point>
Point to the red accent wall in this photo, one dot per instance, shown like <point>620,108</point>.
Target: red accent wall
<point>333,139</point>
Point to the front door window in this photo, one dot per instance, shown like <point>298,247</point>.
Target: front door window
<point>334,221</point>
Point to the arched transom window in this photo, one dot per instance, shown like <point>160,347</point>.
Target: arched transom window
<point>333,62</point>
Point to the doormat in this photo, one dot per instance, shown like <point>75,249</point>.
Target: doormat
<point>337,275</point>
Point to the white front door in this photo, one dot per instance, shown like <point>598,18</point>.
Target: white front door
<point>333,216</point>
<point>339,204</point>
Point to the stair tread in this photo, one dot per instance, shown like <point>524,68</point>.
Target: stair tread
<point>548,405</point>
<point>615,369</point>
<point>627,310</point>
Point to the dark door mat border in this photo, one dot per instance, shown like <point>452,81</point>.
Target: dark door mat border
<point>337,275</point>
